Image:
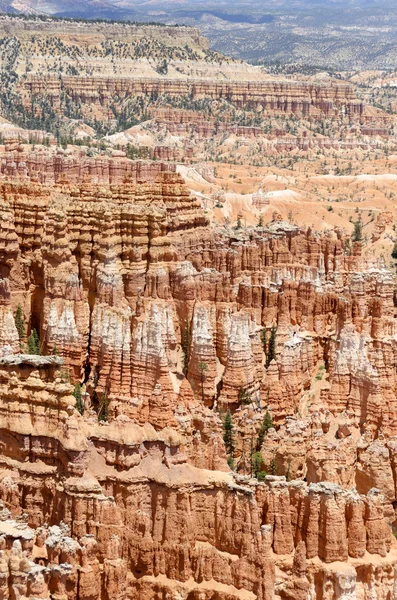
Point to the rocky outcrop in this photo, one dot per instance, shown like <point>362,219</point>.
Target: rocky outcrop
<point>46,562</point>
<point>187,411</point>
<point>120,32</point>
<point>49,167</point>
<point>274,97</point>
<point>152,326</point>
<point>139,519</point>
<point>122,295</point>
<point>383,220</point>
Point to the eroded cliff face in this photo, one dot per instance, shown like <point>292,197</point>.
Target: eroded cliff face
<point>139,520</point>
<point>274,97</point>
<point>56,165</point>
<point>168,323</point>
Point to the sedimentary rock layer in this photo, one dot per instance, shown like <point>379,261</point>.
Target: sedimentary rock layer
<point>85,34</point>
<point>166,323</point>
<point>274,97</point>
<point>50,167</point>
<point>139,520</point>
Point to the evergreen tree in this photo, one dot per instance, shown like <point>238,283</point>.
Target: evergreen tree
<point>243,396</point>
<point>162,68</point>
<point>261,475</point>
<point>230,462</point>
<point>34,343</point>
<point>79,398</point>
<point>268,421</point>
<point>271,351</point>
<point>238,224</point>
<point>358,231</point>
<point>260,220</point>
<point>103,409</point>
<point>20,323</point>
<point>273,466</point>
<point>228,433</point>
<point>263,335</point>
<point>267,424</point>
<point>394,251</point>
<point>256,462</point>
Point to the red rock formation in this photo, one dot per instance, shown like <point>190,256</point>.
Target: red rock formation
<point>383,220</point>
<point>159,529</point>
<point>274,97</point>
<point>163,321</point>
<point>49,167</point>
<point>44,562</point>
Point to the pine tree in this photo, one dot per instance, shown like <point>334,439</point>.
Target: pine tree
<point>259,473</point>
<point>263,335</point>
<point>162,68</point>
<point>20,324</point>
<point>244,397</point>
<point>268,421</point>
<point>358,231</point>
<point>271,351</point>
<point>260,220</point>
<point>256,463</point>
<point>267,424</point>
<point>238,224</point>
<point>64,375</point>
<point>273,466</point>
<point>34,343</point>
<point>228,433</point>
<point>103,409</point>
<point>394,251</point>
<point>79,399</point>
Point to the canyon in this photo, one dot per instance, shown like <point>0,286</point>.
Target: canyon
<point>143,503</point>
<point>198,325</point>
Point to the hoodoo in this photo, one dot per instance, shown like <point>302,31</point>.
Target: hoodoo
<point>198,332</point>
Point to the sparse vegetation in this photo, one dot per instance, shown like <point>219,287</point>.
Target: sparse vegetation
<point>271,350</point>
<point>103,408</point>
<point>228,437</point>
<point>162,67</point>
<point>20,325</point>
<point>79,398</point>
<point>244,396</point>
<point>267,424</point>
<point>256,466</point>
<point>34,343</point>
<point>357,235</point>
